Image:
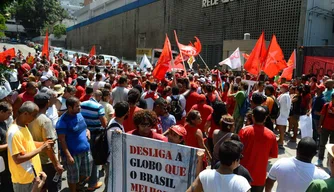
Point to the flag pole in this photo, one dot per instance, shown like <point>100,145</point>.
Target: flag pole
<point>203,62</point>
<point>177,42</point>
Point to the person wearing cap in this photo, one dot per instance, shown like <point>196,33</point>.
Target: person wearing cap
<point>296,173</point>
<point>45,82</point>
<point>176,134</point>
<point>282,120</point>
<point>13,77</point>
<point>327,185</point>
<point>329,91</point>
<point>192,97</point>
<point>259,146</point>
<point>204,109</point>
<point>81,84</point>
<point>41,130</point>
<point>326,128</point>
<point>317,104</point>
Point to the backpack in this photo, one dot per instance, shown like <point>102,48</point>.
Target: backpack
<point>176,108</point>
<point>100,149</point>
<point>208,102</point>
<point>275,111</point>
<point>245,107</point>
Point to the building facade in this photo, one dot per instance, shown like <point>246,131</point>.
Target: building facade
<point>118,27</point>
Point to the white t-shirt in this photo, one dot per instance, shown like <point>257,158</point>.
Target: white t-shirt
<point>97,85</point>
<point>149,100</point>
<point>212,181</point>
<point>52,114</point>
<point>294,175</point>
<point>285,105</point>
<point>119,94</point>
<point>109,134</point>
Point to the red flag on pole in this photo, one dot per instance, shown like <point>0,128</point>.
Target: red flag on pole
<point>275,61</point>
<point>163,63</point>
<point>287,72</point>
<point>257,56</point>
<point>45,50</point>
<point>8,52</point>
<point>178,63</point>
<point>92,51</point>
<point>189,50</point>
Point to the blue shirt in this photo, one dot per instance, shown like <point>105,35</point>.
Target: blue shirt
<point>317,104</point>
<point>167,122</point>
<point>328,95</point>
<point>91,110</point>
<point>74,129</point>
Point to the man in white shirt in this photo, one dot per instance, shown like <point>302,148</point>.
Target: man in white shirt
<point>151,95</point>
<point>223,178</point>
<point>120,93</point>
<point>282,121</point>
<point>98,82</point>
<point>116,124</point>
<point>296,174</point>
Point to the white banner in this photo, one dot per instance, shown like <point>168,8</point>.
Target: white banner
<point>233,61</point>
<point>145,63</point>
<point>142,164</point>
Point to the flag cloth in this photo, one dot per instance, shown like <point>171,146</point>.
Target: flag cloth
<point>163,62</point>
<point>191,61</point>
<point>145,63</point>
<point>45,50</point>
<point>233,61</point>
<point>275,61</point>
<point>245,55</point>
<point>92,51</point>
<point>287,72</point>
<point>219,81</point>
<point>178,62</point>
<point>189,50</point>
<point>8,52</point>
<point>257,57</point>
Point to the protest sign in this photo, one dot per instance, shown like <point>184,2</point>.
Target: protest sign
<point>142,164</point>
<point>250,85</point>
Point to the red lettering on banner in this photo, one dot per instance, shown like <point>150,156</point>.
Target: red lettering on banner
<point>175,170</point>
<point>138,187</point>
<point>152,152</point>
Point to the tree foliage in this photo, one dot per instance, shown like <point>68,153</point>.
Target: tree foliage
<point>2,25</point>
<point>34,15</point>
<point>59,30</point>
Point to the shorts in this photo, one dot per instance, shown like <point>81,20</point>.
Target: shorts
<point>82,166</point>
<point>22,187</point>
<point>283,121</point>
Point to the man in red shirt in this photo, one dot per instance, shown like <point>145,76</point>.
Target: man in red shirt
<point>326,128</point>
<point>192,97</point>
<point>81,84</point>
<point>204,109</point>
<point>145,121</point>
<point>28,95</point>
<point>259,145</point>
<point>133,98</point>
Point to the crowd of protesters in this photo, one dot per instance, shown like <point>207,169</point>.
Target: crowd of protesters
<point>51,113</point>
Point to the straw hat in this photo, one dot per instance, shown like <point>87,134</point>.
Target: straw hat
<point>59,89</point>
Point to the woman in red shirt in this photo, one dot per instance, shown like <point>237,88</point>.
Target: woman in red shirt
<point>225,91</point>
<point>194,137</point>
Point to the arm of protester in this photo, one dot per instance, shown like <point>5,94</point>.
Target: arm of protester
<point>196,186</point>
<point>274,149</point>
<point>61,138</point>
<point>17,104</point>
<point>200,140</point>
<point>88,134</point>
<point>269,185</point>
<point>199,167</point>
<point>21,156</point>
<point>103,121</point>
<point>39,182</point>
<point>207,126</point>
<point>215,138</point>
<point>51,154</point>
<point>3,147</point>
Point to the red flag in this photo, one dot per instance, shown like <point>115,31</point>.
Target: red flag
<point>189,50</point>
<point>245,55</point>
<point>92,51</point>
<point>8,52</point>
<point>257,56</point>
<point>178,63</point>
<point>163,63</point>
<point>287,72</point>
<point>275,61</point>
<point>45,50</point>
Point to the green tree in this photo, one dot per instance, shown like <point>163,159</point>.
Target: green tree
<point>59,30</point>
<point>34,15</point>
<point>2,25</point>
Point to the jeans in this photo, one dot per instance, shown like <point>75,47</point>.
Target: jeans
<point>94,177</point>
<point>325,133</point>
<point>315,124</point>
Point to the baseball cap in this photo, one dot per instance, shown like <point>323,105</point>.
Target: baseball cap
<point>202,80</point>
<point>285,86</point>
<point>3,92</point>
<point>44,78</point>
<point>178,129</point>
<point>330,149</point>
<point>41,96</point>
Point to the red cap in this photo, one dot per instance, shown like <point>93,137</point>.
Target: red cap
<point>193,86</point>
<point>132,74</point>
<point>321,87</point>
<point>201,97</point>
<point>178,129</point>
<point>286,86</point>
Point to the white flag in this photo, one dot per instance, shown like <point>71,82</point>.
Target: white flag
<point>234,61</point>
<point>145,63</point>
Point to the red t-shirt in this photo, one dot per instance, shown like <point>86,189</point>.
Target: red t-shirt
<point>231,103</point>
<point>213,126</point>
<point>128,123</point>
<point>306,101</point>
<point>153,135</point>
<point>80,92</point>
<point>191,100</point>
<point>329,118</point>
<point>205,110</point>
<point>259,145</point>
<point>224,97</point>
<point>190,139</point>
<point>26,97</point>
<point>85,98</point>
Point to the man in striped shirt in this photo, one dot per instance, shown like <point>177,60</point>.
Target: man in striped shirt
<point>93,113</point>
